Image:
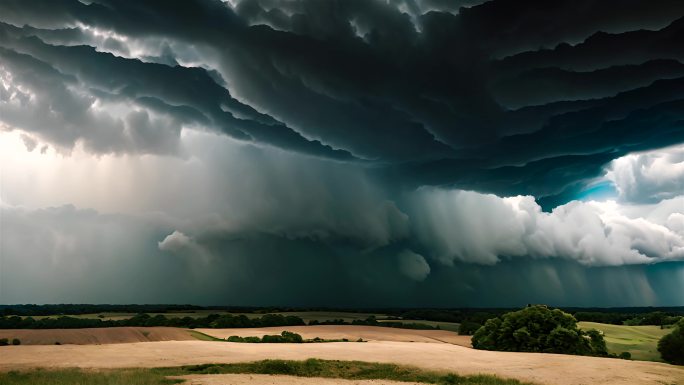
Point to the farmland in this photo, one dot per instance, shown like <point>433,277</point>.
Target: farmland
<point>640,341</point>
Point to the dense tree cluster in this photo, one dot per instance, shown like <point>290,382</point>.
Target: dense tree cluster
<point>671,346</point>
<point>539,329</point>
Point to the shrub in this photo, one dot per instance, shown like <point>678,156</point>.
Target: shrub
<point>671,346</point>
<point>625,355</point>
<point>4,342</point>
<point>292,337</point>
<point>284,337</point>
<point>272,339</point>
<point>538,329</point>
<point>16,341</point>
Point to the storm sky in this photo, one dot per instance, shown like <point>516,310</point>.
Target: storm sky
<point>362,153</point>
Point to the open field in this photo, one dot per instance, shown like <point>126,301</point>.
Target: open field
<point>350,332</point>
<point>114,335</point>
<point>550,369</point>
<point>148,334</point>
<point>640,341</point>
<point>451,326</point>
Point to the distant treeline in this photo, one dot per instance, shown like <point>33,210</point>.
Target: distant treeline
<point>618,316</point>
<point>210,321</point>
<point>658,318</point>
<point>372,321</point>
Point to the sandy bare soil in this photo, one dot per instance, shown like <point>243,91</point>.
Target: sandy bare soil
<point>96,335</point>
<point>263,379</point>
<point>540,368</point>
<point>350,332</point>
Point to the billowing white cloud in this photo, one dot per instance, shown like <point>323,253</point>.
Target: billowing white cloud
<point>481,228</point>
<point>61,255</point>
<point>413,265</point>
<point>649,176</point>
<point>176,242</point>
<point>184,246</point>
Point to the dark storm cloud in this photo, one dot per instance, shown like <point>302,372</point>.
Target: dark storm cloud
<point>602,49</point>
<point>409,85</point>
<point>530,97</point>
<point>186,94</point>
<point>508,27</point>
<point>546,85</point>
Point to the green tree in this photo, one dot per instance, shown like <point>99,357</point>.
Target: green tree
<point>292,337</point>
<point>468,328</point>
<point>538,329</point>
<point>597,342</point>
<point>671,346</point>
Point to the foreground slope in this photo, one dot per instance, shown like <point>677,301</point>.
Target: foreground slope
<point>534,367</point>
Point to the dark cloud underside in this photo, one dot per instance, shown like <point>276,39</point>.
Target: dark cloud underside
<point>406,85</point>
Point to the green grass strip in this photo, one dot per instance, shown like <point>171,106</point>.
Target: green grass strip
<point>203,337</point>
<point>352,370</point>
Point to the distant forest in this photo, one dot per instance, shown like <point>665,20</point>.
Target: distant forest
<point>618,316</point>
